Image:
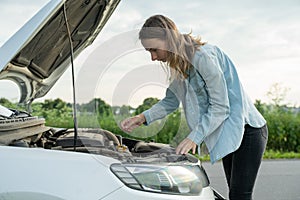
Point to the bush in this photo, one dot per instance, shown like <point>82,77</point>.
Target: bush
<point>284,129</point>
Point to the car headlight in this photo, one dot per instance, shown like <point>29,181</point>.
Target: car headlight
<point>170,179</point>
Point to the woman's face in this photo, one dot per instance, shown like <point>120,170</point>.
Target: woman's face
<point>157,48</point>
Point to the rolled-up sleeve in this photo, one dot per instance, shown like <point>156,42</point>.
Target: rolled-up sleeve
<point>218,110</point>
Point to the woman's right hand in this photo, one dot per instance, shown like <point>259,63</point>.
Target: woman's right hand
<point>131,123</point>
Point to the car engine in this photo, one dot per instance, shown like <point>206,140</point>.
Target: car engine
<point>23,130</point>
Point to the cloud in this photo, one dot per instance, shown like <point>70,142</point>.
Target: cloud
<point>262,37</point>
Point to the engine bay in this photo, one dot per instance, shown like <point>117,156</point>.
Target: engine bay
<point>23,130</point>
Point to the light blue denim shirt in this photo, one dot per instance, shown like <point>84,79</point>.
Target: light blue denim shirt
<point>215,105</point>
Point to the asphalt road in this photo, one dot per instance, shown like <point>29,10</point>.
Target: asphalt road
<point>277,180</point>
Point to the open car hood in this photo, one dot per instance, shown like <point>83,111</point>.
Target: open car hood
<point>38,54</point>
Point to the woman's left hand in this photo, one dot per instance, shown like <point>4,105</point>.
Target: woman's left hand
<point>185,146</point>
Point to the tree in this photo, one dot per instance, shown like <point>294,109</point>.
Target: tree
<point>147,103</point>
<point>54,104</point>
<point>277,93</point>
<point>125,110</point>
<point>6,103</point>
<point>96,105</point>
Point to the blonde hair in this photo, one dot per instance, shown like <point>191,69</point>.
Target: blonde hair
<point>180,47</point>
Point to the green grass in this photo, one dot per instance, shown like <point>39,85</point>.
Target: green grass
<point>269,154</point>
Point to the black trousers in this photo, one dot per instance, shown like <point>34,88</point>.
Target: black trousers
<point>241,166</point>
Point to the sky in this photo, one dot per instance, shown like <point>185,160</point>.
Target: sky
<point>262,37</point>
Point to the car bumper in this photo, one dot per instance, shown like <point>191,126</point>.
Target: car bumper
<point>127,193</point>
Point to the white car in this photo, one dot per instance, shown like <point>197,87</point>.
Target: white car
<point>40,162</point>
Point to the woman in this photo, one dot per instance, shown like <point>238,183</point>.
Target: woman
<point>218,111</point>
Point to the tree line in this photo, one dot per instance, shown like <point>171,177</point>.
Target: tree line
<point>283,121</point>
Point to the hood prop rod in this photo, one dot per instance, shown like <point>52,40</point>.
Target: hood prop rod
<point>73,78</point>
